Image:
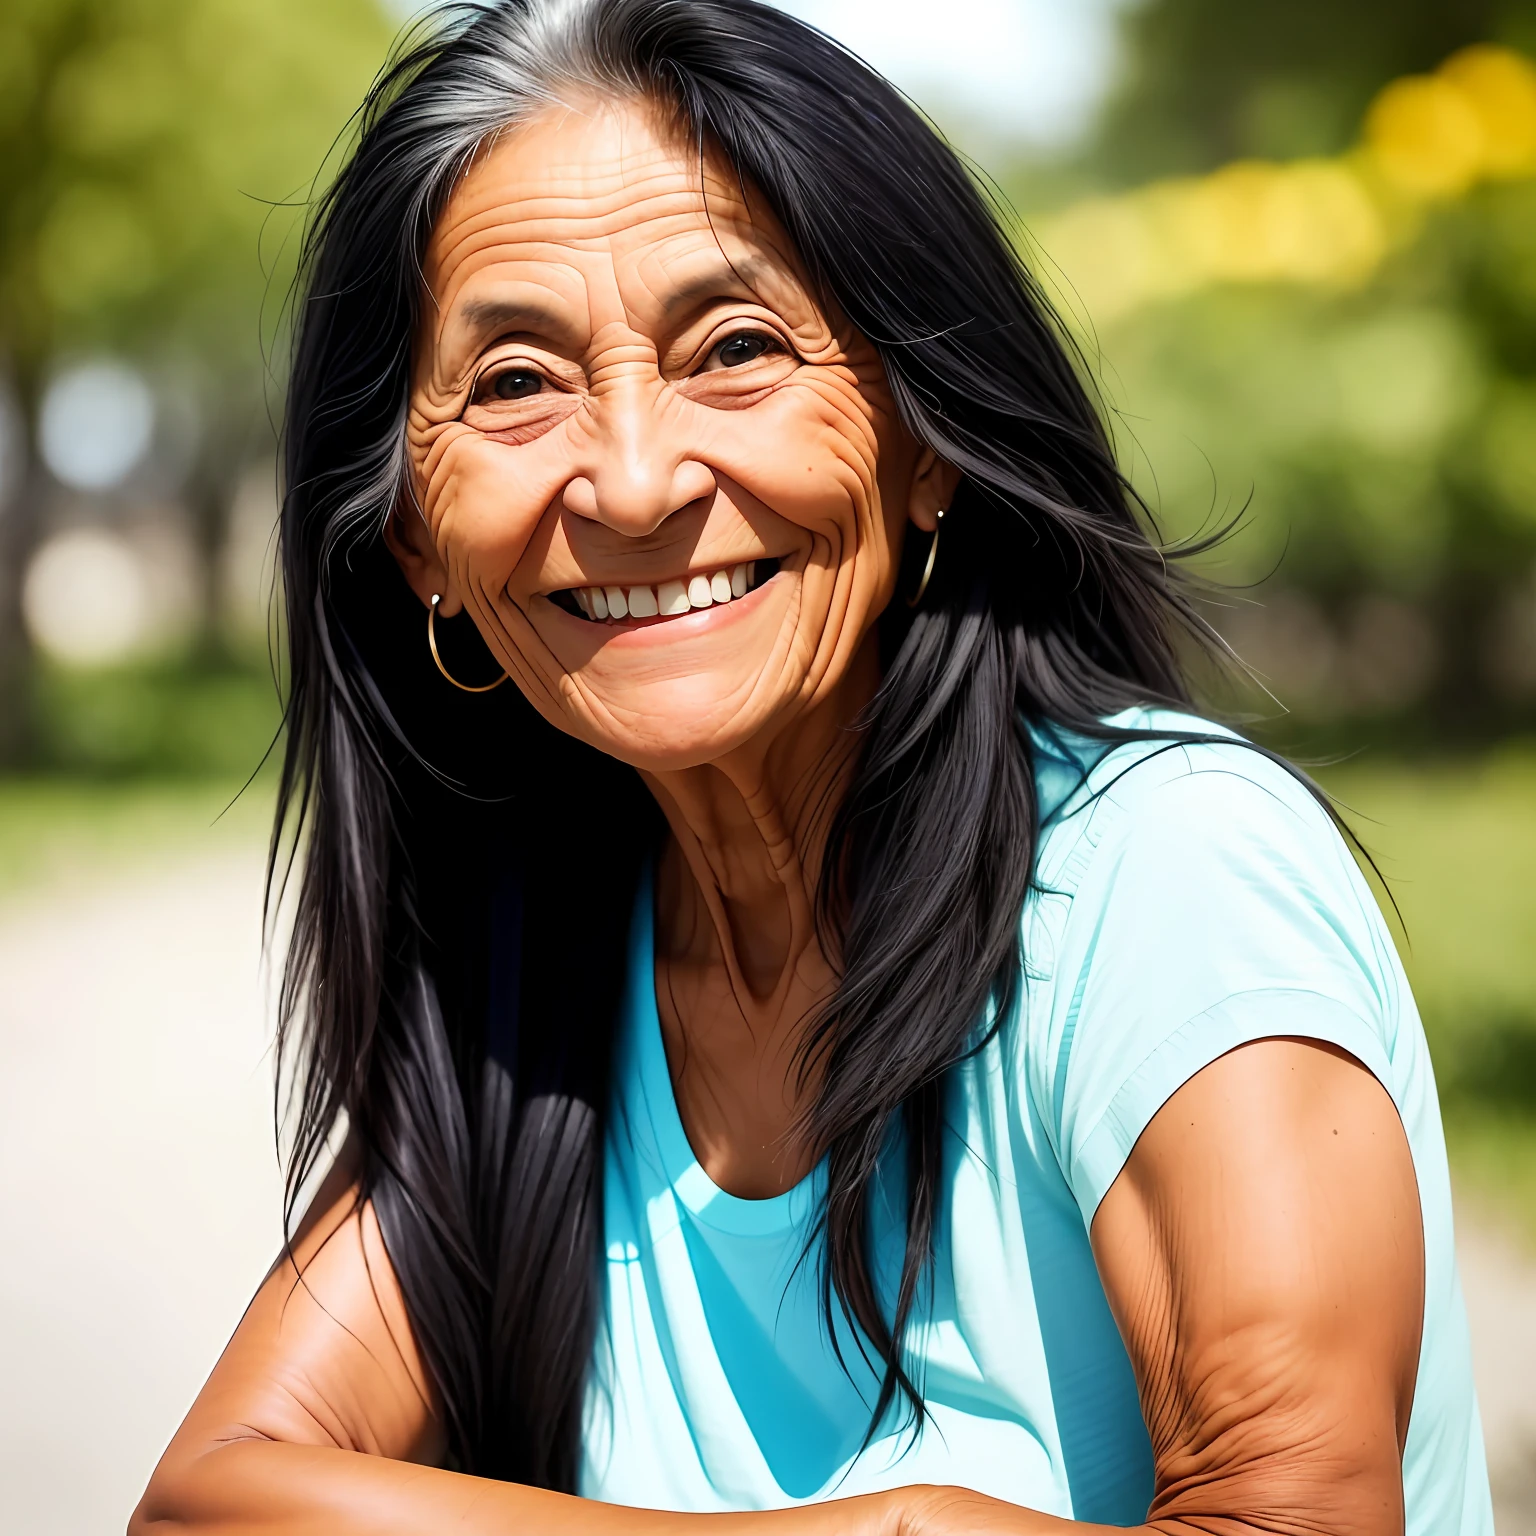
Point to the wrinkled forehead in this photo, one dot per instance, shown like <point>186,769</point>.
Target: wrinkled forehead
<point>588,209</point>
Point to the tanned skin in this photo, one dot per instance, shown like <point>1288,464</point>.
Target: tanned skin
<point>585,413</point>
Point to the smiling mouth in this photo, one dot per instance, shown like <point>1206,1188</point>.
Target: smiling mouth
<point>666,599</point>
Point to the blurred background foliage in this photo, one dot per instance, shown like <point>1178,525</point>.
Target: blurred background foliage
<point>155,160</point>
<point>1205,82</point>
<point>1297,243</point>
<point>1339,350</point>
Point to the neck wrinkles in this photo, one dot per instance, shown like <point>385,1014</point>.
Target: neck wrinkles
<point>739,965</point>
<point>749,832</point>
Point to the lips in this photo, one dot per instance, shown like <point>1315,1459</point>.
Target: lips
<point>666,599</point>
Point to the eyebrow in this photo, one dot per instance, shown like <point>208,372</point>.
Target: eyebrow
<point>489,314</point>
<point>717,282</point>
<point>712,282</point>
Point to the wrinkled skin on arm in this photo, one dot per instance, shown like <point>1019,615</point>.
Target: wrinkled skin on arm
<point>1262,1251</point>
<point>1263,1254</point>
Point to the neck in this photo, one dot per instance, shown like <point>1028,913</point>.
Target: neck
<point>739,966</point>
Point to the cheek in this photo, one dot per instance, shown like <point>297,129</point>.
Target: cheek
<point>484,502</point>
<point>811,454</point>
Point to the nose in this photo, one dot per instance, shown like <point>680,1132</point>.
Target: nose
<point>637,469</point>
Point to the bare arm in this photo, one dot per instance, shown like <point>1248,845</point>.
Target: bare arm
<point>1262,1251</point>
<point>318,1419</point>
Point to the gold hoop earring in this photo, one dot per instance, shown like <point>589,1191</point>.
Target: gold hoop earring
<point>933,552</point>
<point>437,597</point>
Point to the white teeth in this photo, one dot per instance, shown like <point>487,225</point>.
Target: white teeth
<point>669,597</point>
<point>672,598</point>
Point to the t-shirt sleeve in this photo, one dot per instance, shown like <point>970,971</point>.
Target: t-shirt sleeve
<point>1219,905</point>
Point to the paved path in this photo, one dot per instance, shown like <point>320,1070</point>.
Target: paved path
<point>1499,1279</point>
<point>139,1191</point>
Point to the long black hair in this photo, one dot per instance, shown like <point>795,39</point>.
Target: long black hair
<point>454,970</point>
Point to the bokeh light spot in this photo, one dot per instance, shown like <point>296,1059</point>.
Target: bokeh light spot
<point>95,425</point>
<point>85,600</point>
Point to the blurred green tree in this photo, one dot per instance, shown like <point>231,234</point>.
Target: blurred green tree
<point>1209,81</point>
<point>1381,442</point>
<point>1343,347</point>
<point>155,160</point>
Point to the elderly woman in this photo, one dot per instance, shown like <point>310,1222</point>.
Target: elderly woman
<point>834,1044</point>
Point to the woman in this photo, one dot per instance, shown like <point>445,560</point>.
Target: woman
<point>833,1045</point>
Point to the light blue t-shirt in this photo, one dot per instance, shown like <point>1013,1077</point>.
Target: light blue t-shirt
<point>1187,900</point>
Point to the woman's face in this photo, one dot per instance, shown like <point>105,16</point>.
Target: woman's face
<point>669,487</point>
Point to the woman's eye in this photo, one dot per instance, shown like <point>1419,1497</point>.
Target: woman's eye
<point>515,384</point>
<point>746,347</point>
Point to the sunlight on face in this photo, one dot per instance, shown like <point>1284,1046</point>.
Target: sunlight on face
<point>669,488</point>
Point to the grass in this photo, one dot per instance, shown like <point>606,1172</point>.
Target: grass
<point>60,829</point>
<point>137,760</point>
<point>1457,844</point>
<point>178,717</point>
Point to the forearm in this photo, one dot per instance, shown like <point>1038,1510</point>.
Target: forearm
<point>940,1511</point>
<point>265,1488</point>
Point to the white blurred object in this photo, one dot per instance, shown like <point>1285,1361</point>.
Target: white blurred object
<point>85,598</point>
<point>94,596</point>
<point>1035,69</point>
<point>96,424</point>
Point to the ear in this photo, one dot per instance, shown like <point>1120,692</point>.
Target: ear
<point>409,540</point>
<point>933,488</point>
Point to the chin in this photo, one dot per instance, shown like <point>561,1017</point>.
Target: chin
<point>686,724</point>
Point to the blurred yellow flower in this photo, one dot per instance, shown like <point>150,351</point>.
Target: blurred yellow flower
<point>1256,222</point>
<point>1325,222</point>
<point>1311,222</point>
<point>1500,85</point>
<point>1425,135</point>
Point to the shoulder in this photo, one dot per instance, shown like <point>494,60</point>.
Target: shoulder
<point>1189,851</point>
<point>1192,894</point>
<point>1179,794</point>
